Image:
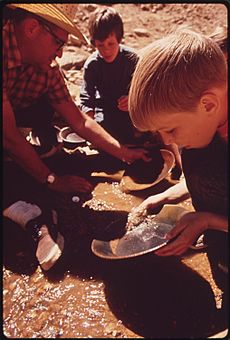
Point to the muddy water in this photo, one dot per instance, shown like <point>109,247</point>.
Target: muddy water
<point>84,296</point>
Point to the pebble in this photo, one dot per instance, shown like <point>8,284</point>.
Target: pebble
<point>75,199</point>
<point>12,285</point>
<point>90,7</point>
<point>75,41</point>
<point>141,32</point>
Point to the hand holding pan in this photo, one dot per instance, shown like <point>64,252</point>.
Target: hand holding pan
<point>142,239</point>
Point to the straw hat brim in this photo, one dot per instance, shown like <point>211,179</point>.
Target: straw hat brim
<point>52,14</point>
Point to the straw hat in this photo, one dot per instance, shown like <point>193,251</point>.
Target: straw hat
<point>62,15</point>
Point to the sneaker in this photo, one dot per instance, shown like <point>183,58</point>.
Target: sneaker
<point>48,250</point>
<point>199,244</point>
<point>48,243</point>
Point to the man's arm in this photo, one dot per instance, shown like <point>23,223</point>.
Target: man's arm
<point>18,148</point>
<point>24,155</point>
<point>89,129</point>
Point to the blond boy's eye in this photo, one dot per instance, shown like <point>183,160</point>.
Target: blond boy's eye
<point>170,131</point>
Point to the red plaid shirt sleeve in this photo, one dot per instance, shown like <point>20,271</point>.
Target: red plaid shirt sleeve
<point>25,83</point>
<point>57,90</point>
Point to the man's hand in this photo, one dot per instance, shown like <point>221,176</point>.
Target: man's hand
<point>89,129</point>
<point>130,155</point>
<point>71,184</point>
<point>122,103</point>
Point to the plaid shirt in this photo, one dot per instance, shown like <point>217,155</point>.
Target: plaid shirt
<point>23,84</point>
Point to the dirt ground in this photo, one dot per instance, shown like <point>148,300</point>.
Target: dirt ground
<point>142,24</point>
<point>84,296</point>
<point>159,18</point>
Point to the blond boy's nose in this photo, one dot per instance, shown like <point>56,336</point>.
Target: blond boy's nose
<point>167,138</point>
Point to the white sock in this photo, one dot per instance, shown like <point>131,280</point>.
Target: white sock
<point>22,212</point>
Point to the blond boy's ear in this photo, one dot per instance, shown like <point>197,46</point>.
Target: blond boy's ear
<point>209,103</point>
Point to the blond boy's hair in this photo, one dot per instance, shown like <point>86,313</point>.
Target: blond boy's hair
<point>220,36</point>
<point>172,74</point>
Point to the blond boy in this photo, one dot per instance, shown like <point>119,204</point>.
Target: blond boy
<point>179,89</point>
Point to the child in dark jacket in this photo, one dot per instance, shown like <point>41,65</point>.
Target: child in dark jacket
<point>107,75</point>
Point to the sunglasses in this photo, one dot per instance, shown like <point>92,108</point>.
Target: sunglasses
<point>60,43</point>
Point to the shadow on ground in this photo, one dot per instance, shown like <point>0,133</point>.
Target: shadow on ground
<point>154,297</point>
<point>162,298</point>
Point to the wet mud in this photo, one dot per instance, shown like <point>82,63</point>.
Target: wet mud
<point>84,296</point>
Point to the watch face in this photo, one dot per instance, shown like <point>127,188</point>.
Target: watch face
<point>50,179</point>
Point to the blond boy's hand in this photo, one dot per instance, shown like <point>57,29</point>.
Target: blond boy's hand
<point>138,213</point>
<point>187,230</point>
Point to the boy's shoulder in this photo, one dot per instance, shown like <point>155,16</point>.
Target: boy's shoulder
<point>92,59</point>
<point>128,54</point>
<point>127,50</point>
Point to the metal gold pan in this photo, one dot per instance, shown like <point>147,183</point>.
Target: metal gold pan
<point>70,139</point>
<point>137,242</point>
<point>142,239</point>
<point>128,184</point>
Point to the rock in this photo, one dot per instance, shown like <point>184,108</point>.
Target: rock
<point>109,328</point>
<point>134,45</point>
<point>157,7</point>
<point>74,92</point>
<point>74,41</point>
<point>90,7</point>
<point>128,34</point>
<point>145,7</point>
<point>116,334</point>
<point>141,32</point>
<point>72,59</point>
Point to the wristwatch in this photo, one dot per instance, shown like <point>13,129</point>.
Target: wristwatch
<point>50,178</point>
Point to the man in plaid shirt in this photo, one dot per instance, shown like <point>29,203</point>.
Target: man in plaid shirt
<point>32,91</point>
<point>29,48</point>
